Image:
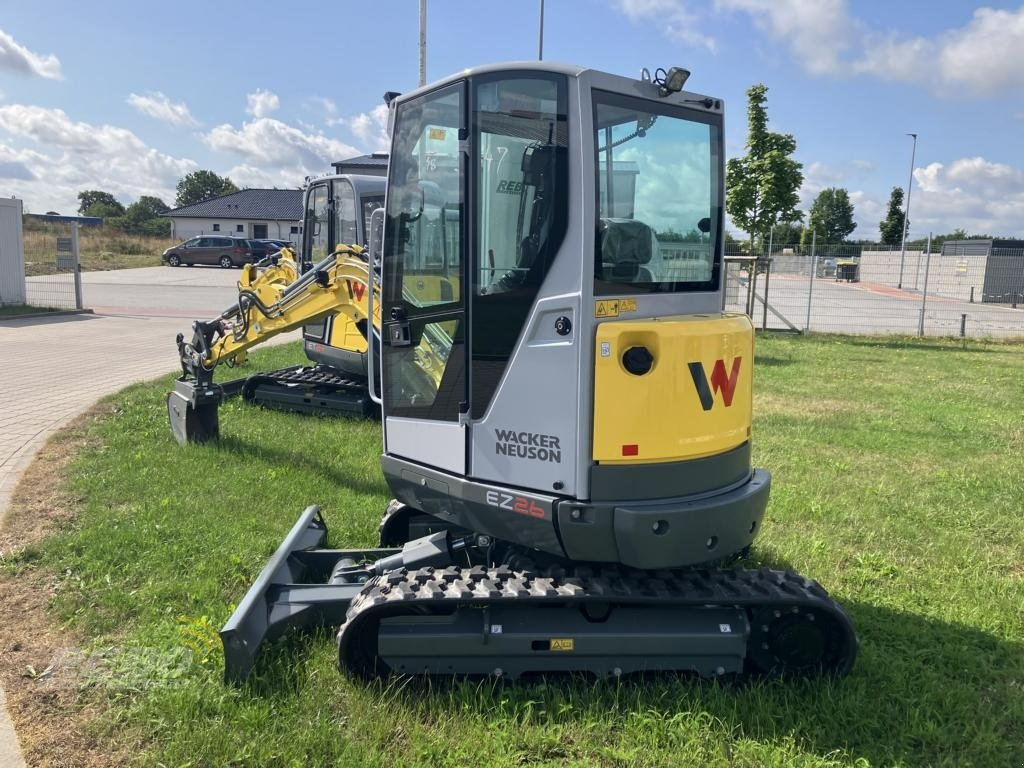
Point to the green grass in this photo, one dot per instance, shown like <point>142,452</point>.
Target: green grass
<point>14,310</point>
<point>897,470</point>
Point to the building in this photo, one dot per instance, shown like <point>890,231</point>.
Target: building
<point>996,266</point>
<point>251,213</point>
<point>364,165</point>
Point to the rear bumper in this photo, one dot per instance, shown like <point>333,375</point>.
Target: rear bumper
<point>668,533</point>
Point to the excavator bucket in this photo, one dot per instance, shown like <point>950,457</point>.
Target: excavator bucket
<point>192,412</point>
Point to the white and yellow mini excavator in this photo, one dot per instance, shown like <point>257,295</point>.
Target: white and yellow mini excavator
<point>566,408</point>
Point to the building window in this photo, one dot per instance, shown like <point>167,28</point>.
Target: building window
<point>216,227</point>
<point>294,230</point>
<point>239,228</point>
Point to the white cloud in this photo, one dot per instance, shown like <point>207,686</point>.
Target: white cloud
<point>77,155</point>
<point>982,58</point>
<point>973,193</point>
<point>17,58</point>
<point>817,32</point>
<point>276,154</point>
<point>261,103</point>
<point>159,106</point>
<point>674,17</point>
<point>371,128</point>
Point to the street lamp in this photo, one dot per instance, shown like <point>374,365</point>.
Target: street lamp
<point>906,211</point>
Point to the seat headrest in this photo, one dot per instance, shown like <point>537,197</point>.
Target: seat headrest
<point>625,241</point>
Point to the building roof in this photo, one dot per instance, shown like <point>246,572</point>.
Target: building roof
<point>374,164</point>
<point>260,204</point>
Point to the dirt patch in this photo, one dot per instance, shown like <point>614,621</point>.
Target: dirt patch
<point>52,721</point>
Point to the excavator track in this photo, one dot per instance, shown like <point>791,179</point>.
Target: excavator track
<point>309,389</point>
<point>606,621</point>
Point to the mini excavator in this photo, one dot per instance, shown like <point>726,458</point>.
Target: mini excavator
<point>336,210</point>
<point>566,408</point>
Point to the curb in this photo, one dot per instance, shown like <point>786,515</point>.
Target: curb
<point>10,752</point>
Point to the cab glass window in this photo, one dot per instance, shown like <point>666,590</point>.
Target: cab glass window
<point>345,231</point>
<point>317,224</point>
<point>423,242</point>
<point>659,185</point>
<point>521,139</point>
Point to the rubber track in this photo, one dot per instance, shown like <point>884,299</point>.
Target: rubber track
<point>312,377</point>
<point>755,590</point>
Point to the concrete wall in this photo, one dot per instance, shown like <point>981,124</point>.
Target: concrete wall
<point>183,227</point>
<point>12,253</point>
<point>948,275</point>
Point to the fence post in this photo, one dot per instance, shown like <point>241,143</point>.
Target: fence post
<point>814,272</point>
<point>924,290</point>
<point>753,288</point>
<point>79,304</point>
<point>767,276</point>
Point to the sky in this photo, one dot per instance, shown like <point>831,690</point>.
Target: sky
<point>129,96</point>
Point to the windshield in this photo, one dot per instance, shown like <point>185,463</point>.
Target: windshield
<point>659,197</point>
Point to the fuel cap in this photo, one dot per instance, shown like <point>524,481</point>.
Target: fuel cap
<point>637,360</point>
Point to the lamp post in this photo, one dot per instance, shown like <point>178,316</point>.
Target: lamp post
<point>540,34</point>
<point>906,211</point>
<point>423,43</point>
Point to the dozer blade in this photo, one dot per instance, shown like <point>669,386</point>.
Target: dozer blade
<point>292,590</point>
<point>192,412</point>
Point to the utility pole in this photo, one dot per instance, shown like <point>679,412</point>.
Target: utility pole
<point>423,43</point>
<point>540,35</point>
<point>906,211</point>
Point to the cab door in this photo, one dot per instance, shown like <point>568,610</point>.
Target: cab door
<point>424,349</point>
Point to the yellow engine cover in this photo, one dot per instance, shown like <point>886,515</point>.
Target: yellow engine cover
<point>694,401</point>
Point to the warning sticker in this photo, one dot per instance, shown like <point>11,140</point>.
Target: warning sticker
<point>613,307</point>
<point>562,644</point>
<point>436,134</point>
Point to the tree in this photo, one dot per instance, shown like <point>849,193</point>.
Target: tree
<point>831,216</point>
<point>891,227</point>
<point>103,203</point>
<point>202,185</point>
<point>788,233</point>
<point>147,207</point>
<point>763,184</point>
<point>142,216</point>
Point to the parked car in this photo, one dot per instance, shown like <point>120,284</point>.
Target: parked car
<point>225,251</point>
<point>267,247</point>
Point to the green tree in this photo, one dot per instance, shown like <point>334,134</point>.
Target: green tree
<point>831,216</point>
<point>103,203</point>
<point>891,227</point>
<point>202,185</point>
<point>142,216</point>
<point>788,233</point>
<point>763,184</point>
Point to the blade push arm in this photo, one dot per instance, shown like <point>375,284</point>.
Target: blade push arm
<point>278,300</point>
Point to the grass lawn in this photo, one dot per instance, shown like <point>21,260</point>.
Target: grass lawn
<point>898,473</point>
<point>14,310</point>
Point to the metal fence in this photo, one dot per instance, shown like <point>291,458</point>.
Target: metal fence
<point>863,289</point>
<point>53,277</point>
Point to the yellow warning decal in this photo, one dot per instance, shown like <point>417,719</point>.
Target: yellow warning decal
<point>436,134</point>
<point>613,307</point>
<point>562,644</point>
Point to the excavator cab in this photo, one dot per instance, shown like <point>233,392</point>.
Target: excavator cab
<point>566,409</point>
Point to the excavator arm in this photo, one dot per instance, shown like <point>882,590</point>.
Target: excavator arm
<point>272,301</point>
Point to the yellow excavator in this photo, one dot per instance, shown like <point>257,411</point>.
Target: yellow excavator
<point>278,298</point>
<point>336,210</point>
<point>566,409</point>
